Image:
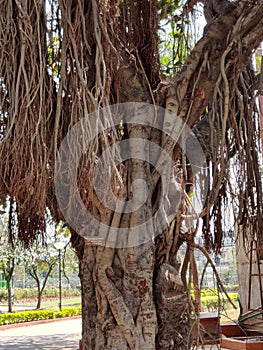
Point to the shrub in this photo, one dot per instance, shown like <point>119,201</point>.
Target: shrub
<point>3,295</point>
<point>26,316</point>
<point>232,288</point>
<point>29,293</point>
<point>210,303</point>
<point>26,293</point>
<point>68,311</point>
<point>35,315</point>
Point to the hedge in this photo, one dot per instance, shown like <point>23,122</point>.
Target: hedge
<point>209,298</point>
<point>213,291</point>
<point>210,303</point>
<point>36,315</point>
<point>24,293</point>
<point>27,293</point>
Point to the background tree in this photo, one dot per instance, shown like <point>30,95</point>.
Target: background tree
<point>43,255</point>
<point>59,67</point>
<point>40,262</point>
<point>70,267</point>
<point>11,250</point>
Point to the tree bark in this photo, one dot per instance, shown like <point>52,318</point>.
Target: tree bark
<point>9,291</point>
<point>106,53</point>
<point>118,309</point>
<point>8,274</point>
<point>133,298</point>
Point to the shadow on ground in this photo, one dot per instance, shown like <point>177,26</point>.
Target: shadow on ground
<point>40,342</point>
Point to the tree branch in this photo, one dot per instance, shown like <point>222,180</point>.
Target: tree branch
<point>236,25</point>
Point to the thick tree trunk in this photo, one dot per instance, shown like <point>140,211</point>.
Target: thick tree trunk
<point>133,298</point>
<point>102,53</point>
<point>121,291</point>
<point>122,315</point>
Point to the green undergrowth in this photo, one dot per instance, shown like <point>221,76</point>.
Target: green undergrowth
<point>29,293</point>
<point>36,315</point>
<point>211,302</point>
<point>210,299</point>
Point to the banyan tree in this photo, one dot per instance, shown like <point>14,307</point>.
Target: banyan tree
<point>134,161</point>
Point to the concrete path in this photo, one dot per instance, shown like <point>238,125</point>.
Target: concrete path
<point>54,336</point>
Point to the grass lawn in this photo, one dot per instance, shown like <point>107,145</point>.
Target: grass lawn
<point>53,303</point>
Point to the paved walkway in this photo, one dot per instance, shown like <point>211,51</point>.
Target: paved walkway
<point>54,336</point>
<point>58,335</point>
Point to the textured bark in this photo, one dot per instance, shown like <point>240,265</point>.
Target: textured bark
<point>9,293</point>
<point>172,305</point>
<point>106,53</point>
<point>134,298</point>
<point>8,274</point>
<point>117,298</point>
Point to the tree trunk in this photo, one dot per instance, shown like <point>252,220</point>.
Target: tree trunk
<point>120,295</point>
<point>39,294</point>
<point>8,274</point>
<point>39,299</point>
<point>34,274</point>
<point>133,298</point>
<point>102,53</point>
<point>9,291</point>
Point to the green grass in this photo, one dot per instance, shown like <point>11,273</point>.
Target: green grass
<point>53,303</point>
